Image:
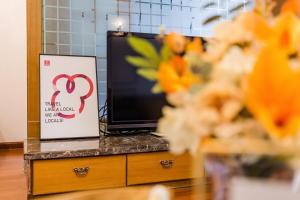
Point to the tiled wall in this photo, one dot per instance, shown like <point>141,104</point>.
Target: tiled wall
<point>78,27</point>
<point>69,27</point>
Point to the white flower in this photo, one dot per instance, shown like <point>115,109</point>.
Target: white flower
<point>215,50</point>
<point>234,65</point>
<point>223,96</point>
<point>179,98</point>
<point>178,126</point>
<point>199,115</point>
<point>227,130</point>
<point>247,127</point>
<point>184,127</point>
<point>159,192</point>
<point>231,32</point>
<point>227,34</point>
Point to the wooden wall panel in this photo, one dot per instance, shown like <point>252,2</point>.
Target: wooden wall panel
<point>34,48</point>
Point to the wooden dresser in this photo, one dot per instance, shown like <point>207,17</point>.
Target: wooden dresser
<point>105,162</point>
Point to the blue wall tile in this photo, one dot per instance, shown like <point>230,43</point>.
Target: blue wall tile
<point>82,31</point>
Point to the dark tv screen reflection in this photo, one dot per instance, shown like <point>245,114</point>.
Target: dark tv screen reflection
<point>131,104</point>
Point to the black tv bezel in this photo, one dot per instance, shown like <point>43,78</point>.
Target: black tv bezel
<point>123,125</point>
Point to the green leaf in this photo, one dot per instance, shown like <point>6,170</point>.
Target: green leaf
<point>145,48</point>
<point>196,88</point>
<point>149,74</point>
<point>239,7</point>
<point>209,5</point>
<point>165,53</point>
<point>206,70</point>
<point>157,89</point>
<point>211,19</point>
<point>140,62</point>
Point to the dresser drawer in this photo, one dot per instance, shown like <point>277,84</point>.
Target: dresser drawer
<point>157,167</point>
<point>53,176</point>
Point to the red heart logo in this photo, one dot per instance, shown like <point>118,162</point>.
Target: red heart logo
<point>70,87</point>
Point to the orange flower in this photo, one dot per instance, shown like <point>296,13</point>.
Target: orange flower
<point>176,42</point>
<point>195,46</point>
<point>256,25</point>
<point>291,6</point>
<point>273,93</point>
<point>175,75</point>
<point>286,32</point>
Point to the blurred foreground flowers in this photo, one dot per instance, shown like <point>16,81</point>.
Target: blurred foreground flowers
<point>244,83</point>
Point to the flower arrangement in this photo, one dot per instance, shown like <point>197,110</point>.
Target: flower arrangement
<point>243,82</point>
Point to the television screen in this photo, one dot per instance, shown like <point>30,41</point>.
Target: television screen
<point>131,104</point>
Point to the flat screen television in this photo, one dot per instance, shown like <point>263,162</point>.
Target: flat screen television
<point>130,102</point>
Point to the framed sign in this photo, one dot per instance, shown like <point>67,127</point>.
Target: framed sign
<point>68,97</point>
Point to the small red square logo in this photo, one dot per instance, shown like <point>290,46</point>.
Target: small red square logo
<point>47,63</point>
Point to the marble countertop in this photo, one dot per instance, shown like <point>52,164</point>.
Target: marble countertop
<point>104,145</point>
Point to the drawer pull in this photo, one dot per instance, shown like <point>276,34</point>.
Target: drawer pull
<point>166,164</point>
<point>81,171</point>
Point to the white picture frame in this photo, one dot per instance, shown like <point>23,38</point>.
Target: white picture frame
<point>68,97</point>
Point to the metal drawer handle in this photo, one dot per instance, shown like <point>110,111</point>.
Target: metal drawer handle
<point>81,171</point>
<point>166,164</point>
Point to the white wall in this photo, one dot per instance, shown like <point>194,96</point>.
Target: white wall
<point>13,77</point>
